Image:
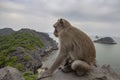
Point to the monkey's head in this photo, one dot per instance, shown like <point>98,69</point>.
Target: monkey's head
<point>60,25</point>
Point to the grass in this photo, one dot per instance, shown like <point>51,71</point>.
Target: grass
<point>28,75</point>
<point>19,66</point>
<point>26,57</point>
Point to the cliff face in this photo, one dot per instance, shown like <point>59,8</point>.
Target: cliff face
<point>24,49</point>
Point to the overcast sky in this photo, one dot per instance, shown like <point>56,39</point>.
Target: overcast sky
<point>99,17</point>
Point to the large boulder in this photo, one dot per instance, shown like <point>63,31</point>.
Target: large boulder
<point>9,73</point>
<point>105,40</point>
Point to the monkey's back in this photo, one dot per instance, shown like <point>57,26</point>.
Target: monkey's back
<point>79,44</point>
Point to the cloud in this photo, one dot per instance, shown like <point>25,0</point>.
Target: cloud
<point>93,16</point>
<point>101,10</point>
<point>11,5</point>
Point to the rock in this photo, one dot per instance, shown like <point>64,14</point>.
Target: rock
<point>6,31</point>
<point>105,40</point>
<point>31,60</point>
<point>98,73</point>
<point>9,73</point>
<point>96,37</point>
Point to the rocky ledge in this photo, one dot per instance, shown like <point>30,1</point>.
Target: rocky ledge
<point>105,40</point>
<point>98,73</point>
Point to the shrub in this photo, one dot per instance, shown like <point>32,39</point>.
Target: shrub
<point>28,75</point>
<point>22,50</point>
<point>11,61</point>
<point>27,57</point>
<point>2,59</point>
<point>19,66</point>
<point>14,58</point>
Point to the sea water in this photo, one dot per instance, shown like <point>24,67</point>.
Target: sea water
<point>108,54</point>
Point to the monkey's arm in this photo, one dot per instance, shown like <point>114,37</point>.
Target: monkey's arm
<point>62,55</point>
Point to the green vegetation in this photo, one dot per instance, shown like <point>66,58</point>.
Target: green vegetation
<point>27,57</point>
<point>9,43</point>
<point>28,75</point>
<point>11,61</point>
<point>19,66</point>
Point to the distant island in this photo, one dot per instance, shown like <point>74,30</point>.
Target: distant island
<point>105,40</point>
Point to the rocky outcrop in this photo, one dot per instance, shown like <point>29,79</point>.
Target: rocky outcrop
<point>98,73</point>
<point>30,60</point>
<point>9,73</point>
<point>6,31</point>
<point>96,37</point>
<point>105,40</point>
<point>25,58</point>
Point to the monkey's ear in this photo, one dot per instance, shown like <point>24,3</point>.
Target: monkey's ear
<point>61,21</point>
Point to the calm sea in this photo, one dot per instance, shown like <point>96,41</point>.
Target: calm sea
<point>106,53</point>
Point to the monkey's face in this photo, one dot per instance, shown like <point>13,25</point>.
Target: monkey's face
<point>58,26</point>
<point>55,33</point>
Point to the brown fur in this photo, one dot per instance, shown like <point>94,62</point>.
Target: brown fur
<point>73,43</point>
<point>76,43</point>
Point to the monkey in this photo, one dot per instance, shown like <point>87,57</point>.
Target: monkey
<point>75,44</point>
<point>66,67</point>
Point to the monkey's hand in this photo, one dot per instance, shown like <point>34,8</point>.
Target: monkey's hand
<point>45,74</point>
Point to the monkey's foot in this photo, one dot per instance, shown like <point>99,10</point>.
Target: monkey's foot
<point>66,69</point>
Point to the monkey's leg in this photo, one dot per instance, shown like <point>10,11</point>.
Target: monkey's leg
<point>67,66</point>
<point>80,67</point>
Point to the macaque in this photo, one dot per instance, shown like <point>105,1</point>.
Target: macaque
<point>74,44</point>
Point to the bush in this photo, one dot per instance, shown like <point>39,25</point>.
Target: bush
<point>22,50</point>
<point>27,57</point>
<point>2,59</point>
<point>28,75</point>
<point>11,61</point>
<point>14,58</point>
<point>19,66</point>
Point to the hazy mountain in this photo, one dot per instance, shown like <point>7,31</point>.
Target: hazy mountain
<point>6,31</point>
